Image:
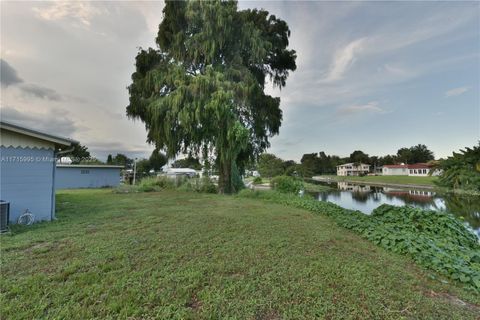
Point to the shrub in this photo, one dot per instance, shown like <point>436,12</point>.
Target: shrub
<point>461,170</point>
<point>208,186</point>
<point>286,184</point>
<point>125,188</point>
<point>248,193</point>
<point>257,180</point>
<point>203,185</point>
<point>237,180</point>
<point>156,183</point>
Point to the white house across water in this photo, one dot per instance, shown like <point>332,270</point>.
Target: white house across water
<point>417,169</point>
<point>352,169</point>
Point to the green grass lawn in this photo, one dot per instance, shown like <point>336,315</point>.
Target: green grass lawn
<point>312,187</point>
<point>176,255</point>
<point>425,181</point>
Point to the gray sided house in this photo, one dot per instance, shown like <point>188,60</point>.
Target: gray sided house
<point>27,170</point>
<point>70,176</point>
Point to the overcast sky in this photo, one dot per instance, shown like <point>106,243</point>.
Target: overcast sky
<point>374,76</point>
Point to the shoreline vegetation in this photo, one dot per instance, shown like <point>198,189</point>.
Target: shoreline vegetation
<point>176,254</point>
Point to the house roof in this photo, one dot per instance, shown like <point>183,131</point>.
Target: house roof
<point>395,166</point>
<point>57,140</point>
<point>107,166</point>
<point>408,166</point>
<point>418,166</point>
<point>353,164</point>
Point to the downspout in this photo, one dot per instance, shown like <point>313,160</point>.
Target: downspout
<point>55,154</point>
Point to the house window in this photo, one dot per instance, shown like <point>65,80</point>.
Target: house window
<point>411,171</point>
<point>84,171</point>
<point>424,171</point>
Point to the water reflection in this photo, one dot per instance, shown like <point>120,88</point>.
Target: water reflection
<point>366,198</point>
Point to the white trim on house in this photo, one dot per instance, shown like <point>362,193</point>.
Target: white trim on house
<point>418,172</point>
<point>46,139</point>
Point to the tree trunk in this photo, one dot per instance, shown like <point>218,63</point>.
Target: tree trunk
<point>225,178</point>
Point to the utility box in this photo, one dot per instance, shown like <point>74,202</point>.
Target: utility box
<point>4,215</point>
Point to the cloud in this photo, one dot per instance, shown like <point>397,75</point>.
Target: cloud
<point>344,59</point>
<point>103,149</point>
<point>33,90</point>
<point>8,75</point>
<point>371,107</point>
<point>55,121</point>
<point>456,91</point>
<point>74,11</point>
<point>367,52</point>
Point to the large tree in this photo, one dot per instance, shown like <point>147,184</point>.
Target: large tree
<point>270,165</point>
<point>415,154</point>
<point>420,153</point>
<point>157,160</point>
<point>359,156</point>
<point>202,90</point>
<point>121,160</point>
<point>462,170</point>
<point>78,154</point>
<point>310,164</point>
<point>404,155</point>
<point>188,162</point>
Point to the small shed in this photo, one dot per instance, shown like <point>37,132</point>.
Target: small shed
<point>27,170</point>
<point>71,176</point>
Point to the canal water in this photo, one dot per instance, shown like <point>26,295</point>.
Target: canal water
<point>366,198</point>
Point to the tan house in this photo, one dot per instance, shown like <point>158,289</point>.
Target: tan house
<point>353,169</point>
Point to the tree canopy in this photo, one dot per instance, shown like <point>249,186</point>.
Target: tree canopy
<point>359,156</point>
<point>202,90</point>
<point>270,165</point>
<point>415,154</point>
<point>189,162</point>
<point>462,170</point>
<point>78,154</point>
<point>120,159</point>
<point>157,160</point>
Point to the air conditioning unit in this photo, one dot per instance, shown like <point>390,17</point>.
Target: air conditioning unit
<point>4,215</point>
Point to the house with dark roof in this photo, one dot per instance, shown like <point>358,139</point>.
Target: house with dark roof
<point>27,170</point>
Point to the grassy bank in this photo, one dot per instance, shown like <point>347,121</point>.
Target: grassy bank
<point>181,255</point>
<point>407,180</point>
<point>312,187</point>
<point>435,240</point>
